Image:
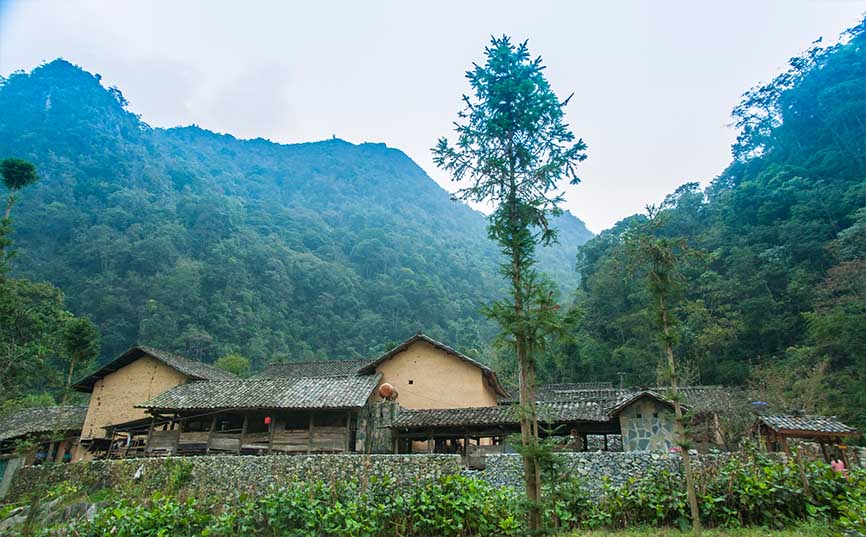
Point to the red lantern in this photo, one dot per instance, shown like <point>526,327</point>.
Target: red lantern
<point>267,420</point>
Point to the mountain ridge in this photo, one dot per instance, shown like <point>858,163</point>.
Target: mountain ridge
<point>204,243</point>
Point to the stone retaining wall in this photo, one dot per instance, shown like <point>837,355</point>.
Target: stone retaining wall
<point>592,467</point>
<point>231,475</point>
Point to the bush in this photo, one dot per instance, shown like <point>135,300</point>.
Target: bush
<point>741,492</point>
<point>451,506</point>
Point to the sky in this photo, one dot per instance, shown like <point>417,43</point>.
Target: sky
<point>653,81</point>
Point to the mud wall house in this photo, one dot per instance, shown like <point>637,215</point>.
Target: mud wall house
<point>37,436</point>
<point>132,378</point>
<point>315,407</point>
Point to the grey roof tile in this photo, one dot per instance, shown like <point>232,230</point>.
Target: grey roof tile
<point>42,420</point>
<point>327,368</point>
<point>278,393</point>
<point>805,423</point>
<point>497,415</point>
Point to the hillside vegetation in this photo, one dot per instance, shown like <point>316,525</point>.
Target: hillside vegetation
<point>204,244</point>
<point>779,297</point>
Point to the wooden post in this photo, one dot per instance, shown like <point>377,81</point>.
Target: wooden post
<point>271,426</point>
<point>348,431</point>
<point>430,445</point>
<point>605,442</point>
<point>213,423</point>
<point>243,432</point>
<point>310,435</point>
<point>784,440</point>
<point>825,452</point>
<point>149,434</point>
<point>844,454</point>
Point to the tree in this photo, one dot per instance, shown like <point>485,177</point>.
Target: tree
<point>81,346</point>
<point>17,174</point>
<point>234,363</point>
<point>660,259</point>
<point>514,147</point>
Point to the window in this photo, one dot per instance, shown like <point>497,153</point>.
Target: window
<point>639,415</point>
<point>655,415</point>
<point>411,381</point>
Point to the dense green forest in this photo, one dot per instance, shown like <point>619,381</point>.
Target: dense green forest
<point>205,244</point>
<point>778,296</point>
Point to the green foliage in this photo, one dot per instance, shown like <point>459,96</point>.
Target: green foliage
<point>749,491</point>
<point>35,328</point>
<point>17,173</point>
<point>234,363</point>
<point>206,245</point>
<point>782,283</point>
<point>514,147</point>
<point>746,492</point>
<point>451,506</point>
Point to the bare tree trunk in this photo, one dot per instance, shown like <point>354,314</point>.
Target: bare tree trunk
<point>9,202</point>
<point>68,380</point>
<point>526,374</point>
<point>680,422</point>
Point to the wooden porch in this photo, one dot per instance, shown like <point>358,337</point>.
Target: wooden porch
<point>236,432</point>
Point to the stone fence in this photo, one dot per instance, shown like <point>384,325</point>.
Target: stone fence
<point>591,467</point>
<point>231,475</point>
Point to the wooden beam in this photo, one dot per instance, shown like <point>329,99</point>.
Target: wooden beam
<point>149,434</point>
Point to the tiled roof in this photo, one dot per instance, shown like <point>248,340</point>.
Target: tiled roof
<point>328,368</point>
<point>286,393</point>
<point>497,415</point>
<point>807,424</point>
<point>41,420</point>
<point>698,398</point>
<point>488,373</point>
<point>191,368</point>
<point>630,398</point>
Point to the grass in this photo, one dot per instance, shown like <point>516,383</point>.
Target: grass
<point>811,530</point>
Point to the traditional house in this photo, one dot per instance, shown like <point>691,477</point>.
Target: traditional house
<point>36,436</point>
<point>134,377</point>
<point>420,396</point>
<point>326,406</point>
<point>589,416</point>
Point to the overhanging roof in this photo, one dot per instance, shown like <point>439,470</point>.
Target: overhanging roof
<point>488,373</point>
<point>42,420</point>
<point>305,393</point>
<point>191,368</point>
<point>806,425</point>
<point>501,415</point>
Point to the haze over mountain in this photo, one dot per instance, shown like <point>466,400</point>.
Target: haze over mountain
<point>205,244</point>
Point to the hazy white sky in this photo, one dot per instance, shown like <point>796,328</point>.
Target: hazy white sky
<point>654,81</point>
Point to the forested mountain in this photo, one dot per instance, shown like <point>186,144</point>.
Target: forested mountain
<point>205,244</point>
<point>778,297</point>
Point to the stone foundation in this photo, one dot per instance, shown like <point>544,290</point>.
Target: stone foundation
<point>231,475</point>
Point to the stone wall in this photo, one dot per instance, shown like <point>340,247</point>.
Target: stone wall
<point>231,475</point>
<point>647,425</point>
<point>591,467</point>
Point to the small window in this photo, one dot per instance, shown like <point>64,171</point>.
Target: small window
<point>411,381</point>
<point>655,414</point>
<point>639,415</point>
